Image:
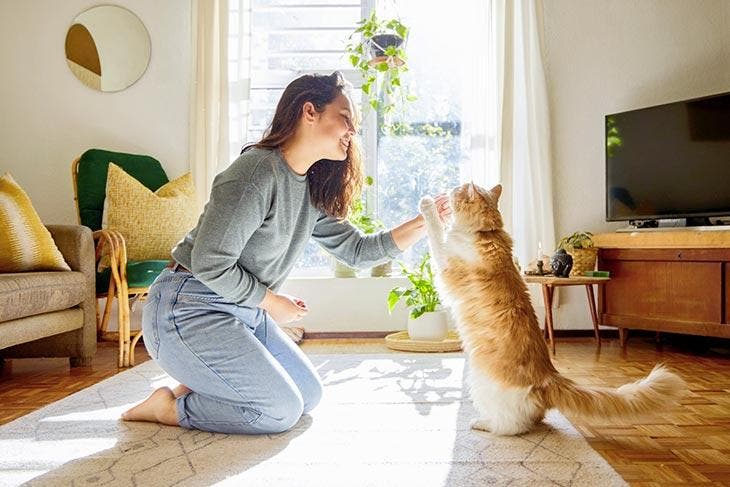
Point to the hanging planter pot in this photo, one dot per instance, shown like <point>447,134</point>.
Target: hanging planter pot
<point>381,42</point>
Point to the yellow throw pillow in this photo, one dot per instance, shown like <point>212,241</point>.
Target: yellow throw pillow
<point>151,223</point>
<point>25,243</point>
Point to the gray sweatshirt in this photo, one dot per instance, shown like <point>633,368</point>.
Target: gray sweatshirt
<point>256,224</point>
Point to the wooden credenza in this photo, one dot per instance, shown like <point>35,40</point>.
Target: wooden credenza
<point>675,281</point>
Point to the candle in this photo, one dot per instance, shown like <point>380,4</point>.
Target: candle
<point>539,250</point>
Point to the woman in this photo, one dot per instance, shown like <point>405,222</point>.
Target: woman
<point>210,321</point>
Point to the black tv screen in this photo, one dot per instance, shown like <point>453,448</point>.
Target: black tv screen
<point>669,161</point>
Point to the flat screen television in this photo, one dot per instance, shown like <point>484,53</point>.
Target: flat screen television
<point>669,161</point>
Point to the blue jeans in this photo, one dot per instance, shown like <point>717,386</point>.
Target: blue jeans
<point>246,375</point>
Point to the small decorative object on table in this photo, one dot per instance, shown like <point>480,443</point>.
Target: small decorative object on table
<point>580,247</point>
<point>561,263</point>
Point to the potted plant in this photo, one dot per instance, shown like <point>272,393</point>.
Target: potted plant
<point>426,319</point>
<point>367,225</point>
<point>580,247</point>
<point>377,50</point>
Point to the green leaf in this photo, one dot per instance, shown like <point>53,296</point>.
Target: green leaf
<point>394,296</point>
<point>417,312</point>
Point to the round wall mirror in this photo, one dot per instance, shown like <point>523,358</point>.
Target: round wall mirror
<point>107,48</point>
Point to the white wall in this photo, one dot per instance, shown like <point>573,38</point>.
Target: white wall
<point>49,117</point>
<point>348,304</point>
<point>605,56</point>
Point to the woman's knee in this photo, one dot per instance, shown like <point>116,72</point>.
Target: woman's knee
<point>312,394</point>
<point>283,413</point>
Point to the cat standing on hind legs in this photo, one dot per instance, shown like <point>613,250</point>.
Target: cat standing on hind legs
<point>512,380</point>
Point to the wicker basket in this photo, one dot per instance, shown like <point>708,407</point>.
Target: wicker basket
<point>583,260</point>
<point>401,341</point>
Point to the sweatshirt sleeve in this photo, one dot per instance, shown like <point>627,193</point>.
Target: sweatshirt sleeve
<point>348,244</point>
<point>235,211</point>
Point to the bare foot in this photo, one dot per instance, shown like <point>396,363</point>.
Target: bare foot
<point>181,390</point>
<point>158,408</point>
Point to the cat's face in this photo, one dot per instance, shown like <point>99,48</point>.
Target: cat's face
<point>475,208</point>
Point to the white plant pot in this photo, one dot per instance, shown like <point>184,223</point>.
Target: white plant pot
<point>433,326</point>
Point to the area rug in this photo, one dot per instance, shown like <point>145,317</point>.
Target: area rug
<point>385,420</point>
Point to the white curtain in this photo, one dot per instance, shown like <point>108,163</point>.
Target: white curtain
<point>209,98</point>
<point>524,140</point>
<point>508,123</point>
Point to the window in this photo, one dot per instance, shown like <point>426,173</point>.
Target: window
<point>424,154</point>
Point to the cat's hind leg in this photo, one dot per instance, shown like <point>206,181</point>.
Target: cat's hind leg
<point>503,410</point>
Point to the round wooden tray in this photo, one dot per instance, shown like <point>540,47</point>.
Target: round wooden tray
<point>401,341</point>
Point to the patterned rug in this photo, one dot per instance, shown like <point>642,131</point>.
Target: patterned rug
<point>385,420</point>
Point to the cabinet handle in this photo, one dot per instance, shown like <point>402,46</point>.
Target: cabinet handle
<point>679,255</point>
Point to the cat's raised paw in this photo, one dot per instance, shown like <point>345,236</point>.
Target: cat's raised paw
<point>427,204</point>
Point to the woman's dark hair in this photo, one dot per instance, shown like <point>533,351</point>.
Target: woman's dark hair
<point>332,184</point>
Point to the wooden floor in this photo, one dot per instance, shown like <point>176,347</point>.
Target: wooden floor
<point>689,445</point>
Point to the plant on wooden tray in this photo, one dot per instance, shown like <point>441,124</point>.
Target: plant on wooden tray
<point>426,319</point>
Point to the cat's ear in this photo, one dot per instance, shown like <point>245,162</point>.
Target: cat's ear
<point>496,191</point>
<point>471,189</point>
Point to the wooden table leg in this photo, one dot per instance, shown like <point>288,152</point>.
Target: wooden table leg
<point>547,296</point>
<point>594,314</point>
<point>622,336</point>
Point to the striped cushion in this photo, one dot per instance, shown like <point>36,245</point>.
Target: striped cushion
<point>151,223</point>
<point>25,244</point>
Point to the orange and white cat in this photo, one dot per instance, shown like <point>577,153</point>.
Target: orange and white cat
<point>511,378</point>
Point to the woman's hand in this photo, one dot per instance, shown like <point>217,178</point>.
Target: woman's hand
<point>283,308</point>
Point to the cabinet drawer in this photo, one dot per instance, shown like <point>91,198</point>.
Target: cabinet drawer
<point>684,291</point>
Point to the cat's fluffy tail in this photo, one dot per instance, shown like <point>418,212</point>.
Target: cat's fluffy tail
<point>657,391</point>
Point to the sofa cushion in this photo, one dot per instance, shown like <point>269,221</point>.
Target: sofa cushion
<point>152,223</point>
<point>31,328</point>
<point>25,244</point>
<point>31,293</point>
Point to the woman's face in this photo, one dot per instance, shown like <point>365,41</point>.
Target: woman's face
<point>334,129</point>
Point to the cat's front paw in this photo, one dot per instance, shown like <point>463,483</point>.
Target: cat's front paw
<point>427,205</point>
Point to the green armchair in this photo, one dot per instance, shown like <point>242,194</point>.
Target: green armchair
<point>127,281</point>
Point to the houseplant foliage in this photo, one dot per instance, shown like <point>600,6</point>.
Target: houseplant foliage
<point>368,225</point>
<point>358,216</point>
<point>580,246</point>
<point>421,297</point>
<point>376,48</point>
<point>578,240</point>
<point>426,321</point>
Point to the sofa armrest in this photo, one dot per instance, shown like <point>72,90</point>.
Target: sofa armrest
<point>76,244</point>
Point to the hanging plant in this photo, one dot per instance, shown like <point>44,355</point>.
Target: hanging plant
<point>377,50</point>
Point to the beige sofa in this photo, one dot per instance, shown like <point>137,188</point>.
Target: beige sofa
<point>52,314</point>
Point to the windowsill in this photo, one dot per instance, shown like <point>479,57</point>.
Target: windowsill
<point>356,278</point>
